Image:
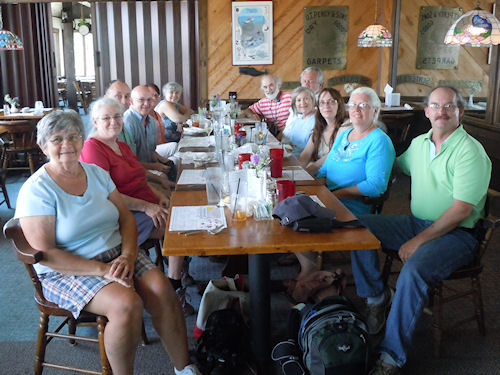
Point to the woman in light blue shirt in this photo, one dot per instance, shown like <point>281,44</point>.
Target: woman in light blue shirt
<point>73,213</point>
<point>299,130</point>
<point>359,163</point>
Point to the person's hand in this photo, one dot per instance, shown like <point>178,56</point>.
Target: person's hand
<point>122,267</point>
<point>408,249</point>
<point>180,128</point>
<point>161,167</point>
<point>113,270</point>
<point>164,201</point>
<point>157,213</point>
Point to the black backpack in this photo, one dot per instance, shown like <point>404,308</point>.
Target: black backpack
<point>224,346</point>
<point>332,339</point>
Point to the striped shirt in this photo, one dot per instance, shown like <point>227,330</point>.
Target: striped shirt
<point>274,111</point>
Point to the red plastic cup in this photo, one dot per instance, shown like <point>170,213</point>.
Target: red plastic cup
<point>237,126</point>
<point>285,189</point>
<point>276,155</point>
<point>243,158</point>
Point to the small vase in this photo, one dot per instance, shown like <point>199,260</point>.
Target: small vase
<point>13,109</point>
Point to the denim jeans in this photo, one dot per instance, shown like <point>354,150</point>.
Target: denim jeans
<point>431,263</point>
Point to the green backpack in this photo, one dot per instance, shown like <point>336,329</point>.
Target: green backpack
<point>333,338</point>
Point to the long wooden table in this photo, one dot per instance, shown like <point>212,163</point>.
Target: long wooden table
<point>258,239</point>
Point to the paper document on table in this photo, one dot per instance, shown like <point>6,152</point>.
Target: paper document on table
<point>184,218</point>
<point>189,157</point>
<point>196,142</point>
<point>192,177</point>
<point>317,200</point>
<point>295,173</point>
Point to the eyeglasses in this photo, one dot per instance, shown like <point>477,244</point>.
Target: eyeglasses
<point>58,139</point>
<point>144,100</point>
<point>448,107</point>
<point>109,118</point>
<point>361,106</point>
<point>327,102</point>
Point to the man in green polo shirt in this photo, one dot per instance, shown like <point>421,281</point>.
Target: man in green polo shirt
<point>450,173</point>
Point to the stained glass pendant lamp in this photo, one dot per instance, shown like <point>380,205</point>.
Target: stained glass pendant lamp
<point>375,35</point>
<point>8,40</point>
<point>476,28</point>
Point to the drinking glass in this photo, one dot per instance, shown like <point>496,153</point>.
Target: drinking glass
<point>214,180</point>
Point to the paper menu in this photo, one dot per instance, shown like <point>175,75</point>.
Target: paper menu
<point>192,177</point>
<point>184,218</point>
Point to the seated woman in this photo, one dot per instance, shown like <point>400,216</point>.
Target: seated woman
<point>330,121</point>
<point>299,130</point>
<point>173,114</point>
<point>359,163</point>
<point>149,206</point>
<point>72,212</point>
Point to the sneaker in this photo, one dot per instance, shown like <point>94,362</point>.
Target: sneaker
<point>383,368</point>
<point>188,370</point>
<point>377,314</point>
<point>186,307</point>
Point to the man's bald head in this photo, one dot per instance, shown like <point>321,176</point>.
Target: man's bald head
<point>141,100</point>
<point>120,91</point>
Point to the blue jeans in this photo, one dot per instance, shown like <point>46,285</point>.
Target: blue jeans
<point>431,263</point>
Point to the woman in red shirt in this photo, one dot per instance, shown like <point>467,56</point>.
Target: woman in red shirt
<point>148,205</point>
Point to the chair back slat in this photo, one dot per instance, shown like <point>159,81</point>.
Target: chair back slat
<point>490,222</point>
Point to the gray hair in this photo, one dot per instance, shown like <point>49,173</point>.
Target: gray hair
<point>171,86</point>
<point>299,90</point>
<point>458,95</point>
<point>374,99</point>
<point>277,80</point>
<point>321,77</point>
<point>96,106</point>
<point>58,121</point>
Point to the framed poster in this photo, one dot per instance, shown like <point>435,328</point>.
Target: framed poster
<point>252,29</point>
<point>432,53</point>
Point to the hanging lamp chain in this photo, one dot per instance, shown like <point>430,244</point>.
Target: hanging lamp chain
<point>376,11</point>
<point>1,19</point>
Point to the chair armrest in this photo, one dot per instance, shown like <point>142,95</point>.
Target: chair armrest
<point>25,253</point>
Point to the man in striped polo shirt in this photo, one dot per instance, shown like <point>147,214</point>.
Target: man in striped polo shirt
<point>275,106</point>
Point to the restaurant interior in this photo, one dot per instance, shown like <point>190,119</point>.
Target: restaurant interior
<point>72,50</point>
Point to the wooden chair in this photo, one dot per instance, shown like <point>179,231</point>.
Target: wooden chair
<point>82,96</point>
<point>3,177</point>
<point>20,148</point>
<point>484,231</point>
<point>29,256</point>
<point>154,243</point>
<point>398,126</point>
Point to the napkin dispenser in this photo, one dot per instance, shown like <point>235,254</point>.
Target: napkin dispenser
<point>392,99</point>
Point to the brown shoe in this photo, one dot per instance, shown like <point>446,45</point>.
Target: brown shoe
<point>186,307</point>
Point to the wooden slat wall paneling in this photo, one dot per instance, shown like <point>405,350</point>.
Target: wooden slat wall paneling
<point>288,28</point>
<point>148,42</point>
<point>29,73</point>
<point>472,61</point>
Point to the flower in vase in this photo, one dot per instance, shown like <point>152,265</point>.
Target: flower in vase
<point>258,164</point>
<point>14,102</point>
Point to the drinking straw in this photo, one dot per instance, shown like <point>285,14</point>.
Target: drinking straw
<point>236,199</point>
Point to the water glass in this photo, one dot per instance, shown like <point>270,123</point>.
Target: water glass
<point>6,110</point>
<point>214,177</point>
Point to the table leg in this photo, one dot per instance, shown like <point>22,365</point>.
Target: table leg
<point>260,308</point>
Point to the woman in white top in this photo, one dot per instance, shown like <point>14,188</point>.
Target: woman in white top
<point>331,120</point>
